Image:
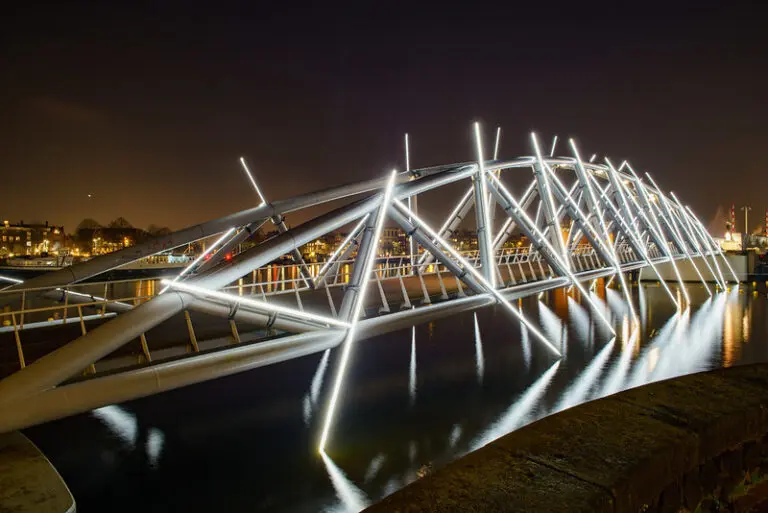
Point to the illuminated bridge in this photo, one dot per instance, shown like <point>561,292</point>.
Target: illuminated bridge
<point>81,342</point>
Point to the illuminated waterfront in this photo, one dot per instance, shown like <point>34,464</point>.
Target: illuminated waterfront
<point>415,398</point>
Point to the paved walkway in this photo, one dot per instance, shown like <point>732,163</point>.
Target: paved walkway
<point>28,481</point>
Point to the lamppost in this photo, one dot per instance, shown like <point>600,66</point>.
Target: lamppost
<point>746,210</point>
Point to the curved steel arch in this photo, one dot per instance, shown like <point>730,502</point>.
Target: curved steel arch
<point>594,220</point>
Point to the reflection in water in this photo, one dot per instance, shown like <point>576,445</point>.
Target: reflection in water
<point>374,467</point>
<point>155,440</point>
<point>653,359</point>
<point>640,373</point>
<point>731,349</point>
<point>412,369</point>
<point>455,435</point>
<point>393,485</point>
<point>690,352</point>
<point>306,409</point>
<point>317,379</point>
<point>616,304</point>
<point>579,319</point>
<point>388,439</point>
<point>553,328</point>
<point>525,343</point>
<point>519,412</point>
<point>578,391</point>
<point>352,498</point>
<point>737,324</point>
<point>615,380</point>
<point>310,401</point>
<point>122,423</point>
<point>600,302</point>
<point>479,360</point>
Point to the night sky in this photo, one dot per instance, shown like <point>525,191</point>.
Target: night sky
<point>148,108</point>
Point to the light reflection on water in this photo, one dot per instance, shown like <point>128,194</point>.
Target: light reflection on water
<point>519,412</point>
<point>253,436</point>
<point>412,369</point>
<point>479,358</point>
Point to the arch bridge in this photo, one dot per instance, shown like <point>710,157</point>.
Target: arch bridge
<point>582,221</point>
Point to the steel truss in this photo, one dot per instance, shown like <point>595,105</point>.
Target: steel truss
<point>592,221</point>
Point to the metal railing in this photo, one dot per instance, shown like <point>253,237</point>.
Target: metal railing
<point>83,303</point>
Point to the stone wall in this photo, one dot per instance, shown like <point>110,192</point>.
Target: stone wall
<point>695,443</point>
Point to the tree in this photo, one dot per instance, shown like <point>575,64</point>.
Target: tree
<point>120,222</point>
<point>88,224</point>
<point>155,230</point>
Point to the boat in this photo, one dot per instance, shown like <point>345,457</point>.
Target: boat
<point>34,262</point>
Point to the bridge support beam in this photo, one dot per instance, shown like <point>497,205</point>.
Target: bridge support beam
<point>621,192</point>
<point>367,245</point>
<point>55,367</point>
<point>426,241</point>
<point>240,237</point>
<point>482,215</point>
<point>594,207</point>
<point>547,203</point>
<point>513,209</point>
<point>670,222</point>
<point>634,241</point>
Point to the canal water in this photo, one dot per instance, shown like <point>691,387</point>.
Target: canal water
<point>413,401</point>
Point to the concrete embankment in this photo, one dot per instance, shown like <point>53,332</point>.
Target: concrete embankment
<point>695,443</point>
<point>28,481</point>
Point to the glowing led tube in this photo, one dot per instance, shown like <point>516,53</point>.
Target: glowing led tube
<point>479,277</point>
<point>254,303</point>
<point>350,338</point>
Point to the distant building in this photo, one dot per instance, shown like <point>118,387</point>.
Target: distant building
<point>464,240</point>
<point>315,250</point>
<point>30,239</point>
<point>392,242</point>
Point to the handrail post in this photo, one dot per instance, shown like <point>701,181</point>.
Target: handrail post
<point>191,331</point>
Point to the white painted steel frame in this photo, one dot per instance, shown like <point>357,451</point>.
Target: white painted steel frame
<point>41,378</point>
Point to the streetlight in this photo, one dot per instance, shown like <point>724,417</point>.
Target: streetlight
<point>746,210</point>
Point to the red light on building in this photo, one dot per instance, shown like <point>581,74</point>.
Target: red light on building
<point>733,218</point>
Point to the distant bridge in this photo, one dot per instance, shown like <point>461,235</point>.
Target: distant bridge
<point>615,222</point>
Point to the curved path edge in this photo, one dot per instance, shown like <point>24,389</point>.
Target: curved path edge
<point>694,442</point>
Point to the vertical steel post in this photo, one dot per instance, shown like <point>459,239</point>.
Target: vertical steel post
<point>145,347</point>
<point>17,338</point>
<point>367,245</point>
<point>191,331</point>
<point>484,243</point>
<point>548,203</point>
<point>235,333</point>
<point>413,204</point>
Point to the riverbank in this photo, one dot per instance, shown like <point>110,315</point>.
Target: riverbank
<point>694,443</point>
<point>28,481</point>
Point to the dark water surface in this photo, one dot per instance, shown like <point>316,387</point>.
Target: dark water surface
<point>248,442</point>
